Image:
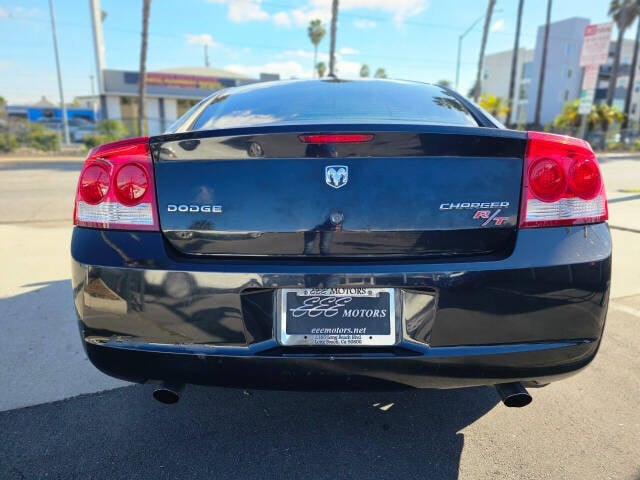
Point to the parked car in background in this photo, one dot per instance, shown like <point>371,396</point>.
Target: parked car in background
<point>78,127</point>
<point>341,234</point>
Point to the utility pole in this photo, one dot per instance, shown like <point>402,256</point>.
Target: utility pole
<point>514,66</point>
<point>206,55</point>
<point>97,16</point>
<point>543,64</point>
<point>460,38</point>
<point>65,122</point>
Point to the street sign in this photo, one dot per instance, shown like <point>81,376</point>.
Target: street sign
<point>589,83</point>
<point>595,51</point>
<point>595,45</point>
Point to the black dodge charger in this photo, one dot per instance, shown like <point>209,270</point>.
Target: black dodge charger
<point>337,234</point>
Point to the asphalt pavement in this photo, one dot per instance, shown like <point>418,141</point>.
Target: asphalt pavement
<point>61,418</point>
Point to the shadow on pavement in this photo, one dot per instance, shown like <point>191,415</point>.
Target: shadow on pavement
<point>215,432</point>
<point>70,166</point>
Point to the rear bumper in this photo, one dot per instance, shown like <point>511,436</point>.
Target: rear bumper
<point>149,314</point>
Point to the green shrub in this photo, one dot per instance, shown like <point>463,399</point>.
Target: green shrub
<point>108,131</point>
<point>112,128</point>
<point>39,138</point>
<point>95,139</point>
<point>8,142</point>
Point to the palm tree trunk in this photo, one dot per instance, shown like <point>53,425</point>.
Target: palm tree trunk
<point>514,66</point>
<point>632,79</point>
<point>613,79</point>
<point>315,61</point>
<point>543,66</point>
<point>485,34</point>
<point>146,7</point>
<point>332,47</point>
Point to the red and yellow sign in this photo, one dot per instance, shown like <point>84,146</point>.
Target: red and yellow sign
<point>171,80</point>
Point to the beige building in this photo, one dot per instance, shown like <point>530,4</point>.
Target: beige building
<point>496,77</point>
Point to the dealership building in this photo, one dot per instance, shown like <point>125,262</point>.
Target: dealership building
<point>169,93</point>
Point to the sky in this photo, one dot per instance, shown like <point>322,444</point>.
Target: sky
<point>410,39</point>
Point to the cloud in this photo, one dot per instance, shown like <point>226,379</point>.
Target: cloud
<point>244,10</point>
<point>348,51</point>
<point>4,13</point>
<point>364,24</point>
<point>498,25</point>
<point>201,39</point>
<point>4,65</point>
<point>281,19</point>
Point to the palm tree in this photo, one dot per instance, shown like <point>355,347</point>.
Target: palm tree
<point>483,45</point>
<point>632,79</point>
<point>364,71</point>
<point>624,12</point>
<point>514,58</point>
<point>316,32</point>
<point>543,66</point>
<point>321,68</point>
<point>380,73</point>
<point>444,83</point>
<point>332,47</point>
<point>496,106</point>
<point>146,7</point>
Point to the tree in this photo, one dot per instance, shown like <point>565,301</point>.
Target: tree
<point>543,66</point>
<point>601,115</point>
<point>142,83</point>
<point>316,32</point>
<point>332,46</point>
<point>364,71</point>
<point>624,13</point>
<point>380,73</point>
<point>321,68</point>
<point>632,79</point>
<point>483,45</point>
<point>496,106</point>
<point>444,83</point>
<point>514,58</point>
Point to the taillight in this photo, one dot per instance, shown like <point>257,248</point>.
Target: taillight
<point>562,183</point>
<point>337,138</point>
<point>116,188</point>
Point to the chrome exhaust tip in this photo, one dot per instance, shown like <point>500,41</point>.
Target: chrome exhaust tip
<point>167,394</point>
<point>513,394</point>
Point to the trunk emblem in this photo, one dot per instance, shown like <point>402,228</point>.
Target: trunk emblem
<point>336,176</point>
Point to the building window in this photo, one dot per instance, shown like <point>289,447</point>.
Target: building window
<point>569,72</point>
<point>522,94</point>
<point>526,70</point>
<point>622,82</point>
<point>568,50</point>
<point>485,74</point>
<point>566,95</point>
<point>633,109</point>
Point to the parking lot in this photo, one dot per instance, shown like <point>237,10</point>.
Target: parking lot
<point>61,418</point>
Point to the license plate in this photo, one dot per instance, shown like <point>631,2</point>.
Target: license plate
<point>337,316</point>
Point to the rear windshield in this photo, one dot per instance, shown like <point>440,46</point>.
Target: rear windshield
<point>333,101</point>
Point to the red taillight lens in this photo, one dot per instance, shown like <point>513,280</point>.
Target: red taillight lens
<point>584,178</point>
<point>94,183</point>
<point>547,179</point>
<point>116,188</point>
<point>562,183</point>
<point>131,184</point>
<point>337,138</point>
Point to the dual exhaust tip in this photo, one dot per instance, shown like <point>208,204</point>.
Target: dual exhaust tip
<point>512,394</point>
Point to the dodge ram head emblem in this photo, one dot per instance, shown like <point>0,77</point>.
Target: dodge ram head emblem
<point>336,176</point>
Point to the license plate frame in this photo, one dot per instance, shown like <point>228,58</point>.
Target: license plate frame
<point>288,331</point>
